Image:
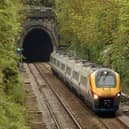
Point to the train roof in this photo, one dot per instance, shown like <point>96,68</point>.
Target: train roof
<point>83,66</point>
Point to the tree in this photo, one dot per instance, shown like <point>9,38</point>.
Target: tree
<point>47,3</point>
<point>97,30</point>
<point>93,22</point>
<point>11,92</point>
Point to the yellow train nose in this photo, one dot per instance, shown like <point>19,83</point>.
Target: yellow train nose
<point>106,92</point>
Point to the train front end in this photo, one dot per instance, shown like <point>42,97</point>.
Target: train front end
<point>106,90</point>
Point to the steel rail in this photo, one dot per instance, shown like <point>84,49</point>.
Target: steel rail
<point>39,68</point>
<point>105,125</point>
<point>46,101</point>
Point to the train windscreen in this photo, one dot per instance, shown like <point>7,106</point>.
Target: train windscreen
<point>105,79</point>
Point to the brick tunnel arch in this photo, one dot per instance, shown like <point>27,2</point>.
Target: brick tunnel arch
<point>37,45</point>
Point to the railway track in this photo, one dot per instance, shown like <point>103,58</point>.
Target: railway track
<point>65,113</point>
<point>61,116</point>
<point>110,122</point>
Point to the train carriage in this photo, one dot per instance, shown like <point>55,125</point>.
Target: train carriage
<point>99,86</point>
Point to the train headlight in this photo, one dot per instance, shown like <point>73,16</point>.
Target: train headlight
<point>118,94</point>
<point>95,96</point>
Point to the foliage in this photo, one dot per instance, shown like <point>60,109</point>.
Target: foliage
<point>97,30</point>
<point>47,3</point>
<point>11,115</point>
<point>11,92</point>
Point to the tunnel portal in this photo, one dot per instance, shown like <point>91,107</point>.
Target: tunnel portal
<point>37,46</point>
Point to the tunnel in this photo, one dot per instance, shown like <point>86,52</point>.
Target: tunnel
<point>37,46</point>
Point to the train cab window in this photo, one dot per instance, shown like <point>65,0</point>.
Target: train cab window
<point>83,80</point>
<point>105,79</point>
<point>75,75</point>
<point>68,71</point>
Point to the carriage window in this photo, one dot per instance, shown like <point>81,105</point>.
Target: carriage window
<point>63,67</point>
<point>68,70</point>
<point>54,61</point>
<point>51,59</point>
<point>58,63</point>
<point>75,75</point>
<point>83,80</point>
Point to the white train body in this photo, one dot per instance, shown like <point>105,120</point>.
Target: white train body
<point>82,77</point>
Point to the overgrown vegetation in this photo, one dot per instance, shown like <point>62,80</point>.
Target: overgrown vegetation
<point>11,93</point>
<point>97,30</point>
<point>46,3</point>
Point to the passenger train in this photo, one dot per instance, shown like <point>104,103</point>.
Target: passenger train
<point>99,86</point>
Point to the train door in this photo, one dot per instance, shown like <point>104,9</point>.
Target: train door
<point>84,87</point>
<point>75,80</point>
<point>68,74</point>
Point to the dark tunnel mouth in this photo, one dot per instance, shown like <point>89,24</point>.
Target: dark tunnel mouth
<point>37,46</point>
